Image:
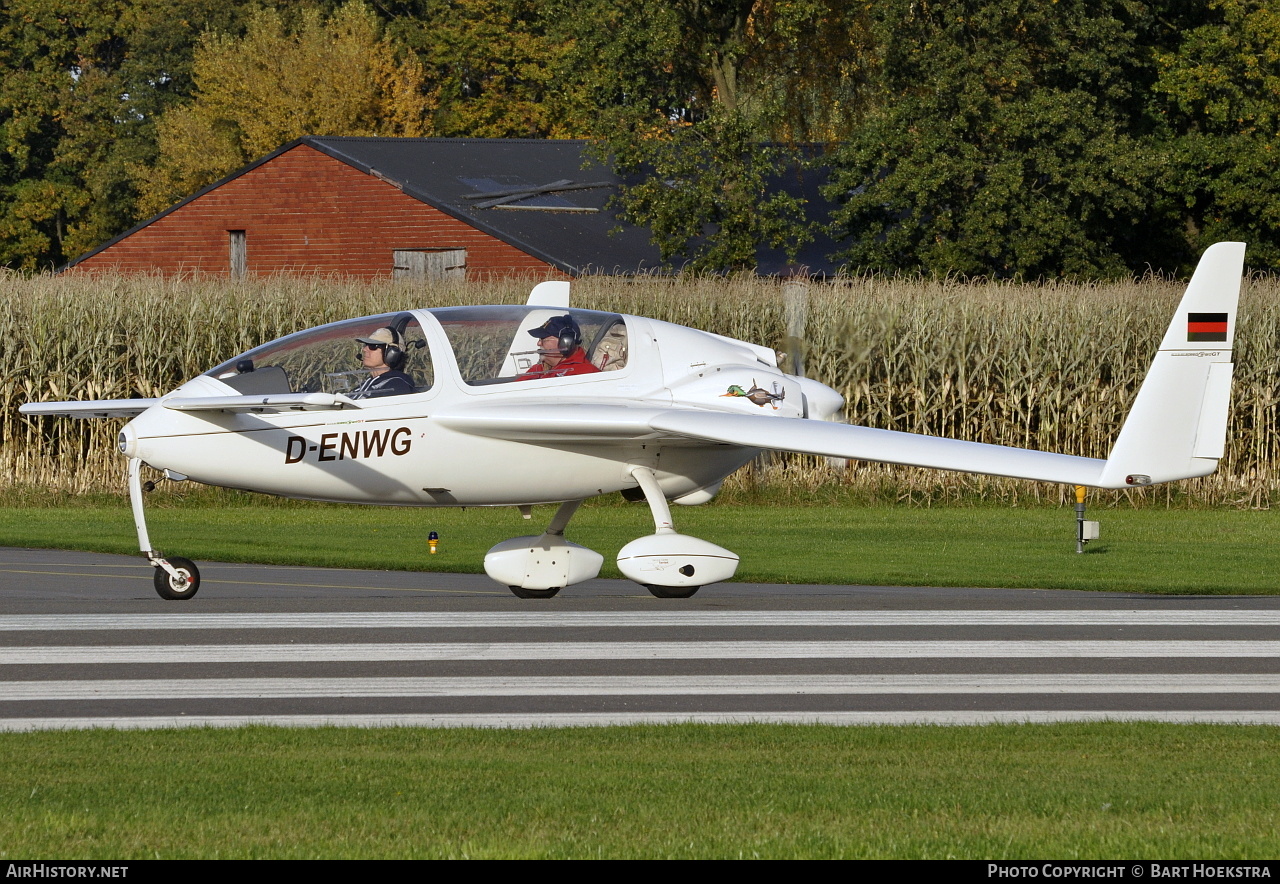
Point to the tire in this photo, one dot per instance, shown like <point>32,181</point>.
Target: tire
<point>521,593</point>
<point>672,592</point>
<point>176,590</point>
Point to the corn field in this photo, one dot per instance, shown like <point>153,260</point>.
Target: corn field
<point>1052,366</point>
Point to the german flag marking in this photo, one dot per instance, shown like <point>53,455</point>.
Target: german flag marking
<point>1206,327</point>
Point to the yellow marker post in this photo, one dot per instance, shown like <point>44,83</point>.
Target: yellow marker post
<point>1085,530</point>
<point>1080,492</point>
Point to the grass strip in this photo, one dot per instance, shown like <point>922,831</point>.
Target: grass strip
<point>1201,551</point>
<point>1099,790</point>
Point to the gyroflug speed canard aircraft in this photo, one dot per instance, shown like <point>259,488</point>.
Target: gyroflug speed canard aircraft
<point>543,403</point>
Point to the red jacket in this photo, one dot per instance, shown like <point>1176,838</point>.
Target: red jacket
<point>575,363</point>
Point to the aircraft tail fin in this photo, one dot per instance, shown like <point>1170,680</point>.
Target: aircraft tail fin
<point>1177,428</point>
<point>554,293</point>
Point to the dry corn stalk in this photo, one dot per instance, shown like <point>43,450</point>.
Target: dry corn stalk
<point>1051,366</point>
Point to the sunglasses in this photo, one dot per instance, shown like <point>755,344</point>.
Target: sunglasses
<point>374,346</point>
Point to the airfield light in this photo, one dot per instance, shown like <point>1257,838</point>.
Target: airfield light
<point>433,540</point>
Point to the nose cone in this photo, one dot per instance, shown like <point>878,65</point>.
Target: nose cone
<point>128,441</point>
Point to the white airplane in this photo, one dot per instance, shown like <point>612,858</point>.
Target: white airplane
<point>661,412</point>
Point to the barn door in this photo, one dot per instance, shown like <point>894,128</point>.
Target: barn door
<point>429,264</point>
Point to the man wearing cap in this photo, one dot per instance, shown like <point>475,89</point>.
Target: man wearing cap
<point>382,353</point>
<point>560,350</point>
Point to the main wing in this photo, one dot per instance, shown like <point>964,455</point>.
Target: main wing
<point>882,446</point>
<point>577,423</point>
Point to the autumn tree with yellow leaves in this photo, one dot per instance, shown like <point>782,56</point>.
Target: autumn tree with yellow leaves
<point>314,75</point>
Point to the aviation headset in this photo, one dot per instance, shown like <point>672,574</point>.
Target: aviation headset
<point>395,353</point>
<point>570,337</point>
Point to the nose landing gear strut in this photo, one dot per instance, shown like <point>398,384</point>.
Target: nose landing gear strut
<point>175,577</point>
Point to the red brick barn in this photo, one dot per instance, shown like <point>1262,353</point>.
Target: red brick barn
<point>381,207</point>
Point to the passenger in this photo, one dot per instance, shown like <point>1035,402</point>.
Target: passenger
<point>383,354</point>
<point>560,350</point>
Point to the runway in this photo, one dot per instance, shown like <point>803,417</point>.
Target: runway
<point>85,642</point>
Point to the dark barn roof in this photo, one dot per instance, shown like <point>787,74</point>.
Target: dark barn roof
<point>463,177</point>
<point>545,197</point>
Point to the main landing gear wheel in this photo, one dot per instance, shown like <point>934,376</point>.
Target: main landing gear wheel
<point>672,592</point>
<point>184,585</point>
<point>522,593</point>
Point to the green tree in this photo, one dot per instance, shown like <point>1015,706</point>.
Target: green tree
<point>81,86</point>
<point>491,66</point>
<point>1008,138</point>
<point>319,75</point>
<point>704,105</point>
<point>709,193</point>
<point>1222,82</point>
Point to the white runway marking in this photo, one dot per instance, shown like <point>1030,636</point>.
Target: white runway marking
<point>710,698</point>
<point>473,619</point>
<point>606,650</point>
<point>634,685</point>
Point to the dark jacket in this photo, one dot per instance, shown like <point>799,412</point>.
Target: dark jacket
<point>389,383</point>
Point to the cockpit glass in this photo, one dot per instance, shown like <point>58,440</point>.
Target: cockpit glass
<point>328,359</point>
<point>493,345</point>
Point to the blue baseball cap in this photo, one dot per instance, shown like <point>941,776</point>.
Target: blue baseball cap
<point>553,327</point>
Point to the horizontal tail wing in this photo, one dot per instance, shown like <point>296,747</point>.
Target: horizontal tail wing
<point>90,408</point>
<point>269,404</point>
<point>99,408</point>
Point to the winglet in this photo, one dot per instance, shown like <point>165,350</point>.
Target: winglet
<point>550,294</point>
<point>1178,425</point>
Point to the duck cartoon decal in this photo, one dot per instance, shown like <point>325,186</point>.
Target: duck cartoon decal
<point>758,395</point>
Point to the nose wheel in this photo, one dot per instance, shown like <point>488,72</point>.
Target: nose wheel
<point>181,583</point>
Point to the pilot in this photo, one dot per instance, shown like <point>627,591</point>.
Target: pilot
<point>560,350</point>
<point>383,354</point>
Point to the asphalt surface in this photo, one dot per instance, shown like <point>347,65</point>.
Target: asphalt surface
<point>86,642</point>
